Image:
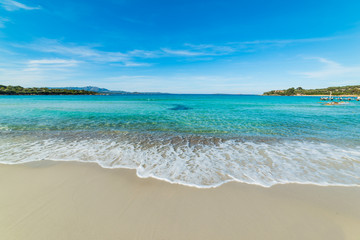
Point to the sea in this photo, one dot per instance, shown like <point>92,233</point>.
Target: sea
<point>200,141</point>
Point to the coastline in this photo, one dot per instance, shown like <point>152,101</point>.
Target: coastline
<point>72,200</point>
<point>313,95</point>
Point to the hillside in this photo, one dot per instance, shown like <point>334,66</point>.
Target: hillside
<point>87,88</point>
<point>344,90</point>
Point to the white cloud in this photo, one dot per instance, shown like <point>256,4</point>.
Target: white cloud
<point>186,53</point>
<point>275,42</point>
<point>135,58</point>
<point>35,76</point>
<point>136,64</point>
<point>199,50</point>
<point>211,49</point>
<point>144,53</point>
<point>54,46</point>
<point>3,21</point>
<point>194,50</point>
<point>54,61</point>
<point>11,5</point>
<point>53,64</point>
<point>331,69</point>
<point>90,53</point>
<point>49,72</point>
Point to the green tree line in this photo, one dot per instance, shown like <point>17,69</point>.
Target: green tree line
<point>345,90</point>
<point>18,90</point>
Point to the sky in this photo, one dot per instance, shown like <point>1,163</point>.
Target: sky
<point>187,46</point>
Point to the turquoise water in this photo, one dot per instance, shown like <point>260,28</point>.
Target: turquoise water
<point>196,140</point>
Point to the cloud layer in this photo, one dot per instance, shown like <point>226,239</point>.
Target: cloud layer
<point>331,69</point>
<point>11,5</point>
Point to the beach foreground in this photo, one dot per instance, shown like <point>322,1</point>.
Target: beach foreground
<point>69,200</point>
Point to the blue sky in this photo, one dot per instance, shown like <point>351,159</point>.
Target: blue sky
<point>180,46</point>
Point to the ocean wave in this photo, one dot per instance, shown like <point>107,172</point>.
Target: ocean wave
<point>199,161</point>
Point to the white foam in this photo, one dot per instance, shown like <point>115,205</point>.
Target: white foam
<point>201,165</point>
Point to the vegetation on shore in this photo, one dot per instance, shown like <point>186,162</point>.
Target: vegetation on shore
<point>336,91</point>
<point>18,90</point>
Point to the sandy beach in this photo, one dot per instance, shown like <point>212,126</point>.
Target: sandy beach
<point>68,200</point>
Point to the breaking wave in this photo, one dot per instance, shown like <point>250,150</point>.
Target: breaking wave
<point>199,161</point>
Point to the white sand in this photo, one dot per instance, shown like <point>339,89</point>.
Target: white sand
<point>49,200</point>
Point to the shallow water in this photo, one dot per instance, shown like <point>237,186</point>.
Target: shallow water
<point>195,140</point>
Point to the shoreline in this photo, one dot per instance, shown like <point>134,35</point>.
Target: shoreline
<point>72,200</point>
<point>183,184</point>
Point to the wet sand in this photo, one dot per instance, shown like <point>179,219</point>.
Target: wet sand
<point>68,200</point>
